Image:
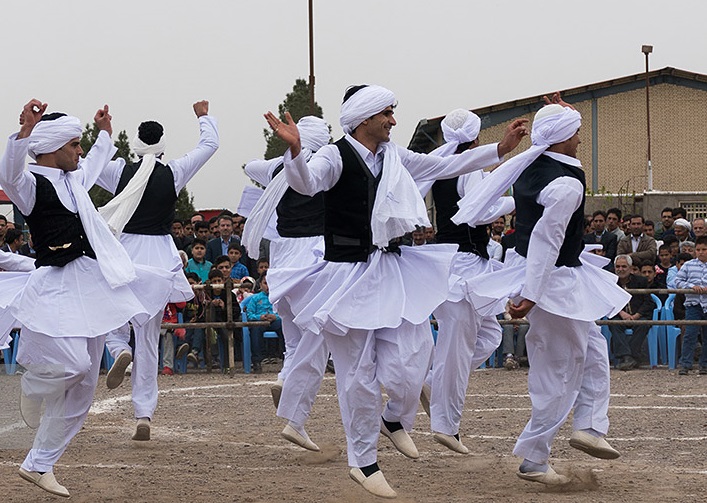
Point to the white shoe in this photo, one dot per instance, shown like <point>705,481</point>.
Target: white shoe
<point>276,392</point>
<point>375,484</point>
<point>451,442</point>
<point>402,441</point>
<point>594,446</point>
<point>142,429</point>
<point>30,410</point>
<point>116,374</point>
<point>289,433</point>
<point>425,395</point>
<point>46,481</point>
<point>549,478</point>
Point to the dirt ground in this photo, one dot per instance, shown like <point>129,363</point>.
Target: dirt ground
<point>215,438</point>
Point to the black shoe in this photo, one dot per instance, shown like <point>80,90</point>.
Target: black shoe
<point>703,371</point>
<point>683,372</point>
<point>627,363</point>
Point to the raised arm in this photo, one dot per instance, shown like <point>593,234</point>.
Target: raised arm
<point>18,184</point>
<point>189,164</point>
<point>101,152</point>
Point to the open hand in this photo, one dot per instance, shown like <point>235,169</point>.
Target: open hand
<point>287,131</point>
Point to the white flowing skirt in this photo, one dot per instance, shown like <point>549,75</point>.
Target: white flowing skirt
<point>76,301</point>
<point>380,293</point>
<point>584,293</point>
<point>11,284</point>
<point>160,252</point>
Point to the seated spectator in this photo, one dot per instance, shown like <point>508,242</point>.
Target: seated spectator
<point>168,335</point>
<point>259,308</point>
<point>223,264</point>
<point>640,247</point>
<point>219,301</point>
<point>14,239</point>
<point>601,235</point>
<point>198,263</point>
<point>693,274</point>
<point>627,340</point>
<point>195,312</point>
<point>498,227</point>
<point>238,270</point>
<point>263,266</point>
<point>246,289</point>
<point>649,272</point>
<point>688,247</point>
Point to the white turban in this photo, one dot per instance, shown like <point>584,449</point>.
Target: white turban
<point>553,124</point>
<point>50,136</point>
<point>363,104</point>
<point>314,132</point>
<point>459,126</point>
<point>682,223</point>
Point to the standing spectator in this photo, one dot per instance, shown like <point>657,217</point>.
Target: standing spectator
<point>601,235</point>
<point>430,235</point>
<point>213,227</point>
<point>238,223</point>
<point>198,263</point>
<point>698,227</point>
<point>628,346</point>
<point>196,217</point>
<point>14,239</point>
<point>3,228</point>
<point>263,266</point>
<point>679,212</point>
<point>666,219</point>
<point>219,246</point>
<point>642,248</point>
<point>613,217</point>
<point>673,271</point>
<point>663,265</point>
<point>418,237</point>
<point>238,270</point>
<point>498,226</point>
<point>177,232</point>
<point>693,274</point>
<point>259,308</point>
<point>683,230</point>
<point>27,249</point>
<point>649,228</point>
<point>195,312</point>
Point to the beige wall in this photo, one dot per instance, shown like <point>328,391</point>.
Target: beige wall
<point>678,147</point>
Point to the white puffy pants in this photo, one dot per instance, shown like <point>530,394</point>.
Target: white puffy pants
<point>145,362</point>
<point>396,358</point>
<point>465,340</point>
<point>62,371</point>
<point>569,370</point>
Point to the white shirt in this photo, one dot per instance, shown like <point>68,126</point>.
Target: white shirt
<point>261,171</point>
<point>561,198</point>
<point>324,168</point>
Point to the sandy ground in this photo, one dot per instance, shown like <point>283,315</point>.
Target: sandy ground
<point>215,438</point>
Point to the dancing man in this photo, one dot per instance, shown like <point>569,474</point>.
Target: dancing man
<point>141,215</point>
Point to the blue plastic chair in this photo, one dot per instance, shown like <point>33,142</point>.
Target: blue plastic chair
<point>655,333</point>
<point>604,329</point>
<point>10,354</point>
<point>672,332</point>
<point>246,337</point>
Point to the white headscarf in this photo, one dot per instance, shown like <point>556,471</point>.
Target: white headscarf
<point>314,134</point>
<point>119,210</point>
<point>458,126</point>
<point>50,136</point>
<point>553,124</point>
<point>363,104</point>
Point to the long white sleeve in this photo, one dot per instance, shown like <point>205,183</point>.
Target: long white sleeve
<point>261,171</point>
<point>429,167</point>
<point>96,160</point>
<point>189,164</point>
<point>561,198</point>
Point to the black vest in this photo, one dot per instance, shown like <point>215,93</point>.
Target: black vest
<point>525,192</point>
<point>155,213</point>
<point>57,233</point>
<point>470,239</point>
<point>348,208</point>
<point>299,216</point>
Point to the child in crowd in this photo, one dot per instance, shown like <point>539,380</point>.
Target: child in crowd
<point>238,270</point>
<point>259,308</point>
<point>219,301</point>
<point>195,312</point>
<point>263,266</point>
<point>664,263</point>
<point>198,263</point>
<point>245,290</point>
<point>168,355</point>
<point>693,274</point>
